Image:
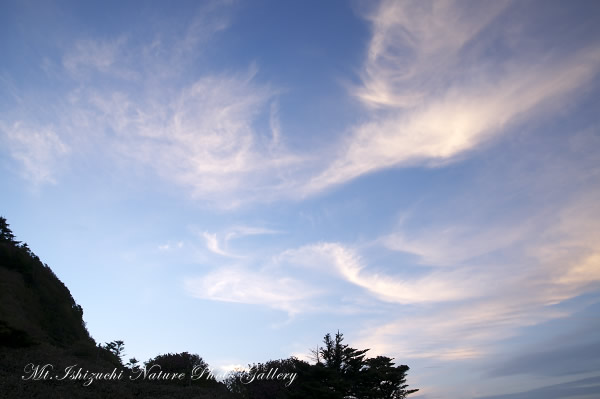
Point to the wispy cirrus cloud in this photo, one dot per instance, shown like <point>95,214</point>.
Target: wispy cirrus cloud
<point>439,247</point>
<point>165,53</point>
<point>434,96</point>
<point>254,287</point>
<point>559,262</point>
<point>464,307</point>
<point>430,97</point>
<point>169,246</point>
<point>212,243</point>
<point>202,139</point>
<point>138,105</point>
<point>414,45</point>
<point>88,57</point>
<point>319,278</point>
<point>581,388</point>
<point>345,263</point>
<point>199,134</point>
<point>219,243</point>
<point>39,150</point>
<point>245,231</point>
<point>554,358</point>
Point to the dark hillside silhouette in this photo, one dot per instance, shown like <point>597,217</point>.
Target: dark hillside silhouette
<point>41,323</point>
<point>36,305</point>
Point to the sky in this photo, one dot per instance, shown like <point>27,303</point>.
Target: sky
<point>237,179</point>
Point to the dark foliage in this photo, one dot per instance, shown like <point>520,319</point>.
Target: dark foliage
<point>190,364</point>
<point>344,372</point>
<point>249,384</point>
<point>13,337</point>
<point>116,348</point>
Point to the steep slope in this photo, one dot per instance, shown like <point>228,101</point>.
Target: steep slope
<point>35,306</point>
<point>41,324</point>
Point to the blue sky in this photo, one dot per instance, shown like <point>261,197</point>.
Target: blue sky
<point>237,179</point>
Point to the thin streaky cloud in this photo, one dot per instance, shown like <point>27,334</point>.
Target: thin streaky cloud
<point>88,57</point>
<point>244,231</point>
<point>275,126</point>
<point>554,358</point>
<point>451,245</point>
<point>416,119</point>
<point>586,388</point>
<point>169,246</point>
<point>463,119</point>
<point>202,134</point>
<point>39,151</point>
<point>559,263</point>
<point>199,133</point>
<point>412,41</point>
<point>212,244</point>
<point>252,287</point>
<point>345,262</point>
<point>486,284</point>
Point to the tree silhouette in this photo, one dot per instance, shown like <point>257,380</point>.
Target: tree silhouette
<point>183,362</point>
<point>117,348</point>
<point>380,379</point>
<point>351,374</point>
<point>132,363</point>
<point>6,235</point>
<point>244,385</point>
<point>344,372</point>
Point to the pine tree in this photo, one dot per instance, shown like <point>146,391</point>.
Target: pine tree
<point>6,235</point>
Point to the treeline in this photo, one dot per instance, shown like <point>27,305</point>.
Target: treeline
<point>41,323</point>
<point>339,371</point>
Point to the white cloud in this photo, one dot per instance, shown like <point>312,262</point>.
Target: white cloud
<point>258,287</point>
<point>551,264</point>
<point>334,258</point>
<point>212,243</point>
<point>413,43</point>
<point>135,106</point>
<point>447,314</point>
<point>453,244</point>
<point>243,231</point>
<point>308,278</point>
<point>431,96</point>
<point>569,251</point>
<point>38,150</point>
<point>432,100</point>
<point>202,137</point>
<point>464,310</point>
<point>489,300</point>
<point>463,119</point>
<point>221,246</point>
<point>92,56</point>
<point>171,246</point>
<point>208,141</point>
<point>199,135</point>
